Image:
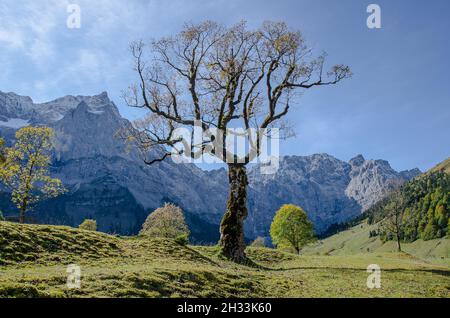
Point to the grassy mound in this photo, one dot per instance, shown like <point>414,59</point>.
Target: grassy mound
<point>35,257</point>
<point>38,243</point>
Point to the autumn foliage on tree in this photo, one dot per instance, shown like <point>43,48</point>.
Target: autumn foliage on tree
<point>216,78</point>
<point>25,170</point>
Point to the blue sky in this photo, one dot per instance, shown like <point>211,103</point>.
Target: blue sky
<point>396,106</point>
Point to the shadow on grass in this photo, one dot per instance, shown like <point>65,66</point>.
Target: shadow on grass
<point>247,262</point>
<point>445,273</point>
<point>252,264</point>
<point>201,256</point>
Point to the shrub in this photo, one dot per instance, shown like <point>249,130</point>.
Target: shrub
<point>168,222</point>
<point>291,228</point>
<point>182,240</point>
<point>89,225</point>
<point>259,242</point>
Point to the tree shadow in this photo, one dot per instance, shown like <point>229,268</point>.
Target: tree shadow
<point>442,272</point>
<point>201,256</point>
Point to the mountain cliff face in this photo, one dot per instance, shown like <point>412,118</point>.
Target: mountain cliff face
<point>105,180</point>
<point>110,183</point>
<point>371,180</point>
<point>330,190</point>
<point>317,183</point>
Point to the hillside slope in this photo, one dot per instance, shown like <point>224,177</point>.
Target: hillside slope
<point>35,258</point>
<point>443,166</point>
<point>426,215</point>
<point>357,240</point>
<point>425,205</point>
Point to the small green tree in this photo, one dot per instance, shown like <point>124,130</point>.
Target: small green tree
<point>259,242</point>
<point>167,221</point>
<point>291,228</point>
<point>25,170</point>
<point>89,225</point>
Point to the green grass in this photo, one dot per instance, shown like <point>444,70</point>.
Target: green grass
<point>43,244</point>
<point>34,261</point>
<point>356,240</point>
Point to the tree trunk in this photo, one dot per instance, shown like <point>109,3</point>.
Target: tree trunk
<point>232,225</point>
<point>398,232</point>
<point>22,210</point>
<point>398,243</point>
<point>22,216</point>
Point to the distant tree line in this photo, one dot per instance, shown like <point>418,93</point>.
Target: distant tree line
<point>420,209</point>
<point>424,207</point>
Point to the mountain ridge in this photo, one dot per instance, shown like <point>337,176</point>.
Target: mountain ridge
<point>87,153</point>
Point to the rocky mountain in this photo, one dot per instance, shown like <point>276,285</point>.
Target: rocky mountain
<point>372,180</point>
<point>109,182</point>
<point>426,200</point>
<point>105,180</point>
<point>329,189</point>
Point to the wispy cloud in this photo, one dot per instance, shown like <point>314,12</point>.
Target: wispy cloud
<point>12,38</point>
<point>28,27</point>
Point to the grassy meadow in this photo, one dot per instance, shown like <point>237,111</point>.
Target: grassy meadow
<point>34,259</point>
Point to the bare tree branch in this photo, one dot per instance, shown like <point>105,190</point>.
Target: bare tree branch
<point>220,77</point>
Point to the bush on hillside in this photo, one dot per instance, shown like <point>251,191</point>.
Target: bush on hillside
<point>168,222</point>
<point>259,242</point>
<point>89,225</point>
<point>183,239</point>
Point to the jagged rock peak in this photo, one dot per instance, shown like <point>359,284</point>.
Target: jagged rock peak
<point>72,101</point>
<point>357,161</point>
<point>15,96</point>
<point>13,106</point>
<point>410,174</point>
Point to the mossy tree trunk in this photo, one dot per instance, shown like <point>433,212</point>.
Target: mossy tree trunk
<point>232,225</point>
